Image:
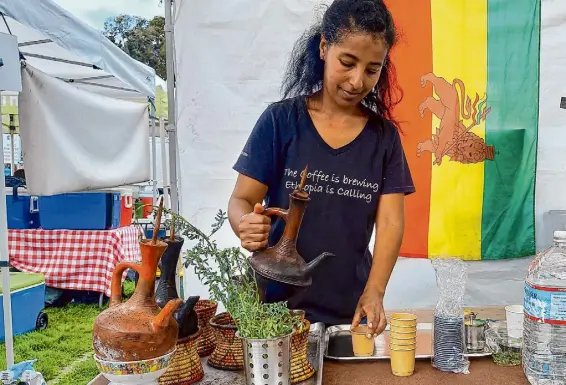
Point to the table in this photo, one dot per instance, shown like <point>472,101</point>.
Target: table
<point>482,371</point>
<point>73,259</point>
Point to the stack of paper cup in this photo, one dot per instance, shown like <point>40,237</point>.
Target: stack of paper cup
<point>402,343</point>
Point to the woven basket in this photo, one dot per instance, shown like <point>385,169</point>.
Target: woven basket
<point>206,309</point>
<point>298,313</point>
<point>229,352</point>
<point>185,367</point>
<point>301,368</point>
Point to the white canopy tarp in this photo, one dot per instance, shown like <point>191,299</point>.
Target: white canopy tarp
<point>56,42</point>
<point>61,46</point>
<point>89,142</point>
<point>230,58</point>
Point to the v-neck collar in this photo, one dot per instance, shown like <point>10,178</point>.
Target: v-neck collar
<point>333,151</point>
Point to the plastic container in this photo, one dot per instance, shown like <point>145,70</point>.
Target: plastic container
<point>21,209</point>
<point>116,211</point>
<point>505,351</point>
<point>28,300</point>
<point>127,209</point>
<point>448,337</point>
<point>80,211</point>
<point>544,327</point>
<point>146,201</point>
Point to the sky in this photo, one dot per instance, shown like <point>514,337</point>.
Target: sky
<point>96,12</point>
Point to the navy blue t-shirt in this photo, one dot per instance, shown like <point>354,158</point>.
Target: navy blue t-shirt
<point>344,185</point>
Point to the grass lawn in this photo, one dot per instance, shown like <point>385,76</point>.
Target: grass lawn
<point>64,350</point>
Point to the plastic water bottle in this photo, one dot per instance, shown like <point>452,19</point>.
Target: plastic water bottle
<point>544,335</point>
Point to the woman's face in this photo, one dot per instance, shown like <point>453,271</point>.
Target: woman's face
<point>352,67</point>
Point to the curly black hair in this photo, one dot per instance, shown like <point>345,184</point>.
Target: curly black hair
<point>305,70</point>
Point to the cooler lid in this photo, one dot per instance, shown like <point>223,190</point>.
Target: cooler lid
<point>20,280</point>
<point>21,191</point>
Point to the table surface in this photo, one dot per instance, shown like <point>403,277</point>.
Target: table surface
<point>482,370</point>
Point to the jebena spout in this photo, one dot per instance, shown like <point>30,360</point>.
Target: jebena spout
<point>315,262</point>
<point>187,306</point>
<point>187,318</point>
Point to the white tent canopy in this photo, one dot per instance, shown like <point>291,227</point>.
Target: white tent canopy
<point>57,43</point>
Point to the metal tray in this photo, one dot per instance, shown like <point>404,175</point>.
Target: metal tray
<point>315,354</point>
<point>338,344</point>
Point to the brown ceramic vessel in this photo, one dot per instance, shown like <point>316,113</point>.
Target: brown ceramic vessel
<point>282,262</point>
<point>137,329</point>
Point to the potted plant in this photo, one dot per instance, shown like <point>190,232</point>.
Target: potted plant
<point>265,329</point>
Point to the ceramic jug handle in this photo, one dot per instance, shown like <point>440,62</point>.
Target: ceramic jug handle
<point>116,288</point>
<point>275,211</point>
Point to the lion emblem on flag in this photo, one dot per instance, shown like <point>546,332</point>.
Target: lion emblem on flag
<point>453,138</point>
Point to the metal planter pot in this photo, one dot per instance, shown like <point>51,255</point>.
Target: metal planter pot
<point>268,361</point>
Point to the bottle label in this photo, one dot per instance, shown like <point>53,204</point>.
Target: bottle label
<point>545,304</point>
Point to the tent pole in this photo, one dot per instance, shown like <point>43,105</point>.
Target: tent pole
<point>4,258</point>
<point>12,153</point>
<point>162,135</point>
<point>153,153</point>
<point>12,128</point>
<point>171,113</point>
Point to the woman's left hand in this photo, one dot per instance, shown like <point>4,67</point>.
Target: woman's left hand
<point>370,305</point>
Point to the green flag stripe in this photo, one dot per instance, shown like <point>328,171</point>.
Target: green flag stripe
<point>508,218</point>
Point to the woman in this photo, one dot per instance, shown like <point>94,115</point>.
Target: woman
<point>335,117</point>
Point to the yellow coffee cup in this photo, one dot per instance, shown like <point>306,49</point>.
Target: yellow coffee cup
<point>402,361</point>
<point>403,336</point>
<point>362,345</point>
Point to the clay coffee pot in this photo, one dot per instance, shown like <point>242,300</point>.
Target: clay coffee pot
<point>166,291</point>
<point>137,329</point>
<point>282,262</point>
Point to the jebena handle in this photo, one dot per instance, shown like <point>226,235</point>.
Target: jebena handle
<point>116,288</point>
<point>277,211</point>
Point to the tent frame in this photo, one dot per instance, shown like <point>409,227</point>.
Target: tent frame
<point>142,90</point>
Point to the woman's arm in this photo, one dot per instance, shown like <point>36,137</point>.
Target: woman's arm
<point>389,226</point>
<point>245,213</point>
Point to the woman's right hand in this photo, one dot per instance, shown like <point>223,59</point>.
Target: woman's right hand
<point>254,229</point>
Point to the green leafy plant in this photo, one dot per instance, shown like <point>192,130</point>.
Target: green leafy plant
<point>507,358</point>
<point>232,282</point>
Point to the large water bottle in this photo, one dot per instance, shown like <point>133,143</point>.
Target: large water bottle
<point>544,336</point>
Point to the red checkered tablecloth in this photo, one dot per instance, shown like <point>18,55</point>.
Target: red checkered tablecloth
<point>73,259</point>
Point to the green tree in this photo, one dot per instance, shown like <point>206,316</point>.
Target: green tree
<point>142,39</point>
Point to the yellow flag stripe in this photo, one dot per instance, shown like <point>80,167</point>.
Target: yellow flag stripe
<point>459,39</point>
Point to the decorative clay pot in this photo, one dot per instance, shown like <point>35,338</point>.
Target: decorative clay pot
<point>137,329</point>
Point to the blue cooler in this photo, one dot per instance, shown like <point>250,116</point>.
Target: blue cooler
<point>28,301</point>
<point>21,209</point>
<point>80,211</point>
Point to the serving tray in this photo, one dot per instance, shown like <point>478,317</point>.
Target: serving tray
<point>338,344</point>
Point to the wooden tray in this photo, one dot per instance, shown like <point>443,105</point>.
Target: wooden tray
<point>338,344</point>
